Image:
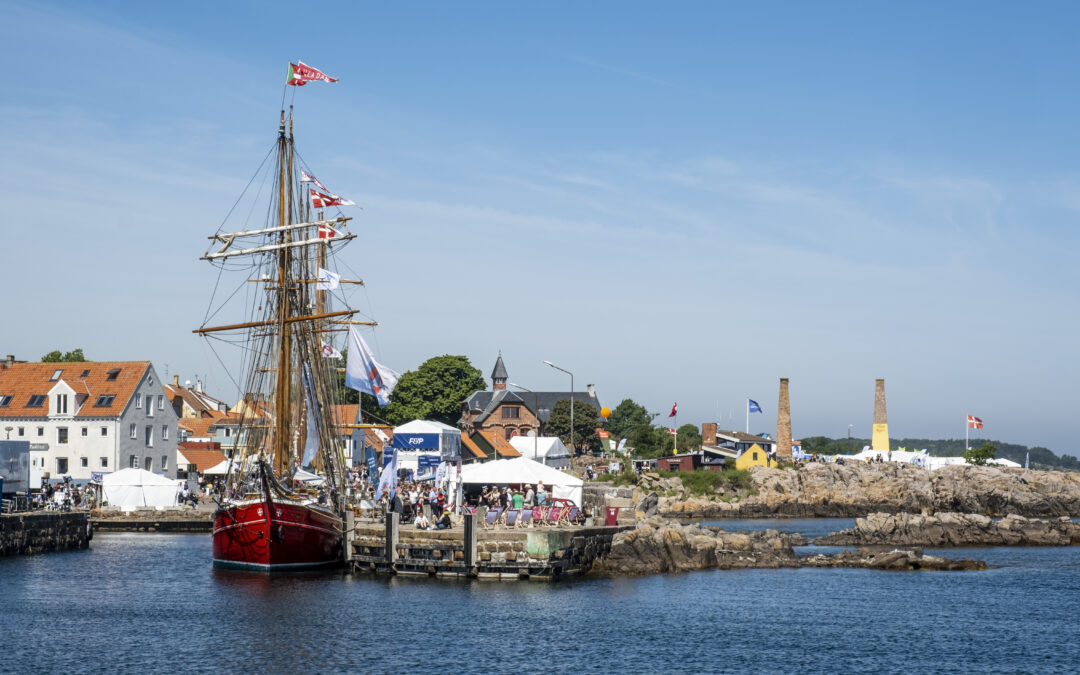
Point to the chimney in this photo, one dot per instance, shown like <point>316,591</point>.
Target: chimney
<point>783,422</point>
<point>591,388</point>
<point>198,386</point>
<point>176,381</point>
<point>9,361</point>
<point>708,433</point>
<point>880,438</point>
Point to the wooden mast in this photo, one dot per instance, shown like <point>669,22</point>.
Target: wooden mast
<point>282,437</point>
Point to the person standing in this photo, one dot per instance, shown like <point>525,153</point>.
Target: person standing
<point>530,496</point>
<point>518,500</point>
<point>541,493</point>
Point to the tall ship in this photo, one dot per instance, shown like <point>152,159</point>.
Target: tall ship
<point>268,519</point>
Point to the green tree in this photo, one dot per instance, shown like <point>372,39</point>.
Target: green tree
<point>626,418</point>
<point>74,356</point>
<point>650,442</point>
<point>980,456</point>
<point>586,419</point>
<point>689,438</point>
<point>434,391</point>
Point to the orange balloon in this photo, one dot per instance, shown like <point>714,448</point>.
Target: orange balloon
<point>605,412</point>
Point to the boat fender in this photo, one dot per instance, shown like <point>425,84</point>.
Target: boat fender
<point>89,530</point>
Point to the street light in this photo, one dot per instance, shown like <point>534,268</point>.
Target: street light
<point>573,447</point>
<point>536,405</point>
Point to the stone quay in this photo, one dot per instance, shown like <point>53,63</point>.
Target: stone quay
<point>43,532</point>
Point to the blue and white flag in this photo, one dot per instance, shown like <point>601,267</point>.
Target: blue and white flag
<point>363,373</point>
<point>311,443</point>
<point>328,281</point>
<point>440,475</point>
<point>1027,456</point>
<point>622,446</point>
<point>752,405</point>
<point>388,479</point>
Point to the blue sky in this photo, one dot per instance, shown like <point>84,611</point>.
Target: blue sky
<point>676,201</point>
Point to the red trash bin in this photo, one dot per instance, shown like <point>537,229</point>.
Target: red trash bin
<point>612,516</point>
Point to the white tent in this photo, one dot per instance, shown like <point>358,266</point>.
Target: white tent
<point>308,477</point>
<point>132,488</point>
<point>521,470</point>
<point>219,469</point>
<point>547,449</point>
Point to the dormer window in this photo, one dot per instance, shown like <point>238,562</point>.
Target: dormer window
<point>56,374</point>
<point>112,374</point>
<point>104,401</point>
<point>61,404</point>
<point>5,400</point>
<point>36,401</point>
<point>85,373</point>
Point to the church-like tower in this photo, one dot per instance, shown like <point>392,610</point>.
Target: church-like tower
<point>499,375</point>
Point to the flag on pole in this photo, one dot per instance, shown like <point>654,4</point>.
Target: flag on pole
<point>329,352</point>
<point>322,200</point>
<point>363,373</point>
<point>752,405</point>
<point>674,409</point>
<point>306,177</point>
<point>622,447</point>
<point>1027,457</point>
<point>673,432</point>
<point>327,232</point>
<point>388,477</point>
<point>974,422</point>
<point>328,281</point>
<point>300,74</point>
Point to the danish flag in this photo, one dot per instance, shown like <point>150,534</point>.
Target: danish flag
<point>321,200</point>
<point>974,422</point>
<point>674,409</point>
<point>327,232</point>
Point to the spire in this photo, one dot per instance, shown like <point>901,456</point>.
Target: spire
<point>499,375</point>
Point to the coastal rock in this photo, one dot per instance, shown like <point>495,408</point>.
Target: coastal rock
<point>895,560</point>
<point>857,489</point>
<point>955,529</point>
<point>646,506</point>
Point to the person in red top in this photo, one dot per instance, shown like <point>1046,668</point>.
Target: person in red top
<point>441,501</point>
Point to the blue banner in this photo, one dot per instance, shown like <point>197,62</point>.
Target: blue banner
<point>416,441</point>
<point>371,461</point>
<point>427,462</point>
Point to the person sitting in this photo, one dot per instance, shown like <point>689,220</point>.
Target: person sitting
<point>422,523</point>
<point>444,522</point>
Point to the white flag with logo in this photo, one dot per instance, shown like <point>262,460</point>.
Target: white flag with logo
<point>329,352</point>
<point>328,281</point>
<point>363,373</point>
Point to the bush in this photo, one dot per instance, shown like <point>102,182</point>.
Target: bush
<point>702,483</point>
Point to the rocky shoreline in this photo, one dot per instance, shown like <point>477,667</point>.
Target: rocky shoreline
<point>658,545</point>
<point>954,529</point>
<point>858,489</point>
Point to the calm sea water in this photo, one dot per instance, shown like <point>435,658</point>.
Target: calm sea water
<point>151,603</point>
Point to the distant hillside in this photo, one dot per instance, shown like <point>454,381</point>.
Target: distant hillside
<point>1041,458</point>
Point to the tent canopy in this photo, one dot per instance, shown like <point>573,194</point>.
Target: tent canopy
<point>428,435</point>
<point>132,488</point>
<point>308,477</point>
<point>523,470</point>
<point>549,449</point>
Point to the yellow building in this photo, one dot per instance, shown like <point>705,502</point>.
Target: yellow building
<point>753,456</point>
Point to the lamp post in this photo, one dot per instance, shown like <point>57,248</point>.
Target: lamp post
<point>573,448</point>
<point>536,405</point>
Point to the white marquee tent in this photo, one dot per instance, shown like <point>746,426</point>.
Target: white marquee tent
<point>132,488</point>
<point>521,470</point>
<point>547,449</point>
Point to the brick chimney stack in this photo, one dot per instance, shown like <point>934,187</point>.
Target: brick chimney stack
<point>783,422</point>
<point>708,433</point>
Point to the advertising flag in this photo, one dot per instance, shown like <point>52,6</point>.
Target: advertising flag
<point>363,373</point>
<point>752,405</point>
<point>388,478</point>
<point>622,446</point>
<point>974,422</point>
<point>329,352</point>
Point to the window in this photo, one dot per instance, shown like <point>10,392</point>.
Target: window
<point>149,405</point>
<point>61,465</point>
<point>5,400</point>
<point>85,373</point>
<point>161,402</point>
<point>131,462</point>
<point>22,431</point>
<point>61,435</point>
<point>104,462</point>
<point>104,401</point>
<point>754,456</point>
<point>56,374</point>
<point>61,404</point>
<point>511,412</point>
<point>134,431</point>
<point>138,400</point>
<point>510,433</point>
<point>164,462</point>
<point>84,462</point>
<point>41,431</point>
<point>164,432</point>
<point>148,462</point>
<point>228,432</point>
<point>149,436</point>
<point>104,431</point>
<point>111,375</point>
<point>149,379</point>
<point>36,401</point>
<point>85,431</point>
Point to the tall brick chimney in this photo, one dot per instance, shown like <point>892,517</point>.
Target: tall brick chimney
<point>880,439</point>
<point>783,422</point>
<point>708,433</point>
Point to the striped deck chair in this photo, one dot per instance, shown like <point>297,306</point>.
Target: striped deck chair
<point>526,518</point>
<point>492,517</point>
<point>538,515</point>
<point>554,515</point>
<point>571,515</point>
<point>511,517</point>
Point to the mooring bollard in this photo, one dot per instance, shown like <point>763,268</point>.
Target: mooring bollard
<point>392,523</point>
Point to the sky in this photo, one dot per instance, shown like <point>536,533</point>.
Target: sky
<point>674,201</point>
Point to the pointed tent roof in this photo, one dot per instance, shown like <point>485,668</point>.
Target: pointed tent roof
<point>499,372</point>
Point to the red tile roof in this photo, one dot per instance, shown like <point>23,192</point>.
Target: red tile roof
<point>501,445</point>
<point>23,380</point>
<point>203,459</point>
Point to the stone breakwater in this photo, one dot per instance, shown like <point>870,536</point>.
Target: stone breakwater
<point>657,545</point>
<point>954,529</point>
<point>43,532</point>
<point>858,489</point>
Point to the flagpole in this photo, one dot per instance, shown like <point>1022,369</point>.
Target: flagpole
<point>967,430</point>
<point>748,414</point>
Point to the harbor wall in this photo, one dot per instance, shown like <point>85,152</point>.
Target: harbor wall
<point>43,532</point>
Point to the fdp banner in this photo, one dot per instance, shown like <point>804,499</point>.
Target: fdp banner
<point>416,441</point>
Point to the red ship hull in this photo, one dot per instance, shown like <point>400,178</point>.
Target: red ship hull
<point>276,536</point>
